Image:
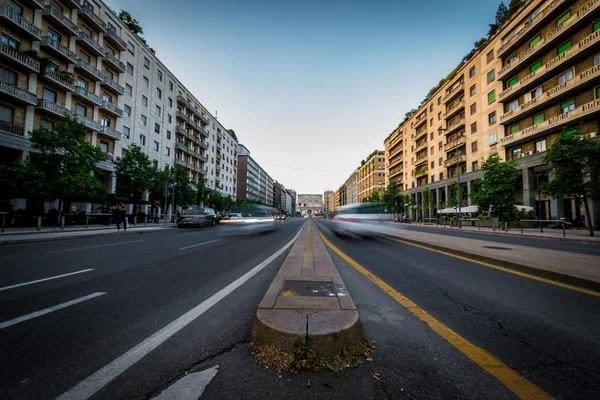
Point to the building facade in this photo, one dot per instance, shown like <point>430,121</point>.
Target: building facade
<point>538,75</point>
<point>328,199</point>
<point>253,182</point>
<point>310,203</point>
<point>370,177</point>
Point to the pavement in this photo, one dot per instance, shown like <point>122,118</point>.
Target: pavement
<point>171,311</point>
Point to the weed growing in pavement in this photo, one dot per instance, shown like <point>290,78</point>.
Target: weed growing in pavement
<point>306,359</point>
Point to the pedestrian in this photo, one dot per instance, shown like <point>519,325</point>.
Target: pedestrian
<point>121,214</point>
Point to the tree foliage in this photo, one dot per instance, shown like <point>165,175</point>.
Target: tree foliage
<point>373,197</point>
<point>574,169</point>
<point>135,172</point>
<point>427,201</point>
<point>497,190</point>
<point>131,23</point>
<point>185,192</point>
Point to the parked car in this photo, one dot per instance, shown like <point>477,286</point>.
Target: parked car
<point>201,216</point>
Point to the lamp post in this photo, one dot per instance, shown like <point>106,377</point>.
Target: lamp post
<point>458,200</point>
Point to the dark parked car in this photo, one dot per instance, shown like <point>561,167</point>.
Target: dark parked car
<point>201,216</point>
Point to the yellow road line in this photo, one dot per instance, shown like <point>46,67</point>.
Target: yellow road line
<point>516,383</point>
<point>510,271</point>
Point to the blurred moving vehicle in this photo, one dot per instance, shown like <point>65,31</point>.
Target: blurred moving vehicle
<point>252,218</point>
<point>197,216</point>
<point>281,217</point>
<point>357,220</point>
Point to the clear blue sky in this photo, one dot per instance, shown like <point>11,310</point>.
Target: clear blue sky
<point>311,85</point>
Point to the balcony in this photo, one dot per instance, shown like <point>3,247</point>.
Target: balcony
<point>586,111</point>
<point>88,122</point>
<point>111,108</point>
<point>454,92</point>
<point>181,99</point>
<point>7,127</point>
<point>82,93</point>
<point>181,130</point>
<point>74,4</point>
<point>53,108</point>
<point>89,70</point>
<point>108,131</point>
<point>114,38</point>
<point>454,109</point>
<point>421,146</point>
<point>203,145</point>
<point>453,161</point>
<point>182,147</point>
<point>15,21</point>
<point>552,67</point>
<point>420,120</point>
<point>521,36</point>
<point>421,133</point>
<point>552,39</point>
<point>454,143</point>
<point>455,125</point>
<point>18,58</point>
<point>58,79</point>
<point>38,4</point>
<point>113,85</point>
<point>586,78</point>
<point>58,49</point>
<point>113,61</point>
<point>421,172</point>
<point>18,94</point>
<point>87,14</point>
<point>64,23</point>
<point>88,42</point>
<point>421,160</point>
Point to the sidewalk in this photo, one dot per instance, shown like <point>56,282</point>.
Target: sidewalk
<point>575,269</point>
<point>47,233</point>
<point>581,235</point>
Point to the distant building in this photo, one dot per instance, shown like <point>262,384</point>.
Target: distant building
<point>371,176</point>
<point>293,196</point>
<point>253,182</point>
<point>310,203</point>
<point>328,198</point>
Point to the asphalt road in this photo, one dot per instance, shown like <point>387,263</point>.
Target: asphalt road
<point>571,246</point>
<point>139,283</point>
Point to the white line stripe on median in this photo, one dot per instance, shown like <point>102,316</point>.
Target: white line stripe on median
<point>94,247</point>
<point>102,377</point>
<point>45,279</point>
<point>15,321</point>
<point>200,244</point>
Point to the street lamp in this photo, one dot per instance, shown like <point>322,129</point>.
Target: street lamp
<point>458,200</point>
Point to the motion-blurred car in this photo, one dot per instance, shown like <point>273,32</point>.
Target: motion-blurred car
<point>357,220</point>
<point>281,217</point>
<point>251,218</point>
<point>200,216</point>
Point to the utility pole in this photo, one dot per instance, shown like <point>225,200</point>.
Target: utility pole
<point>173,202</point>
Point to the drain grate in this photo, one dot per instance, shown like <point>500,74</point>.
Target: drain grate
<point>307,288</point>
<point>497,248</point>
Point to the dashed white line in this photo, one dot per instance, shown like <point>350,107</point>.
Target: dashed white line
<point>199,244</point>
<point>15,321</point>
<point>86,388</point>
<point>95,247</point>
<point>191,233</point>
<point>45,279</point>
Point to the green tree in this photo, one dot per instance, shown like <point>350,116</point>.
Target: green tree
<point>132,24</point>
<point>373,197</point>
<point>202,191</point>
<point>497,190</point>
<point>427,201</point>
<point>135,172</point>
<point>452,200</point>
<point>391,195</point>
<point>513,7</point>
<point>574,168</point>
<point>185,192</point>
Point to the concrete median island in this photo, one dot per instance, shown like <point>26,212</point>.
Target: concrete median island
<point>307,303</point>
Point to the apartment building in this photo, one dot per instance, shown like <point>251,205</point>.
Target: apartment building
<point>222,159</point>
<point>370,177</point>
<point>293,196</point>
<point>253,182</point>
<point>328,198</point>
<point>537,76</point>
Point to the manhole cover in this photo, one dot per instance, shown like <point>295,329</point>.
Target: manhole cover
<point>497,248</point>
<point>308,288</point>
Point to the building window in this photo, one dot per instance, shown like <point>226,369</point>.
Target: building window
<point>472,72</point>
<point>491,97</point>
<point>130,48</point>
<point>10,41</point>
<point>516,153</point>
<point>105,121</point>
<point>144,101</point>
<point>565,77</point>
<point>490,56</point>
<point>513,105</point>
<point>431,107</point>
<point>126,132</point>
<point>491,76</point>
<point>515,128</point>
<point>473,108</point>
<point>535,40</point>
<point>159,75</point>
<point>538,119</point>
<point>566,46</point>
<point>47,94</point>
<point>168,135</point>
<point>158,93</point>
<point>440,161</point>
<point>169,118</point>
<point>167,151</point>
<point>158,110</point>
<point>44,123</point>
<point>157,128</point>
<point>129,89</point>
<point>439,101</point>
<point>511,59</point>
<point>81,110</point>
<point>537,92</point>
<point>146,63</point>
<point>146,83</point>
<point>431,122</point>
<point>535,66</point>
<point>473,90</point>
<point>170,102</point>
<point>156,146</point>
<point>441,176</point>
<point>568,106</point>
<point>474,147</point>
<point>84,56</point>
<point>474,166</point>
<point>129,69</point>
<point>513,81</point>
<point>440,145</point>
<point>565,17</point>
<point>431,150</point>
<point>170,86</point>
<point>492,118</point>
<point>144,120</point>
<point>473,128</point>
<point>142,140</point>
<point>540,146</point>
<point>127,111</point>
<point>439,116</point>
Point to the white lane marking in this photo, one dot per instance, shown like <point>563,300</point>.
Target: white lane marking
<point>46,279</point>
<point>200,244</point>
<point>15,321</point>
<point>86,388</point>
<point>190,387</point>
<point>94,247</point>
<point>191,233</point>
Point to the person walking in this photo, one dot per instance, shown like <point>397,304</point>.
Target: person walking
<point>121,217</point>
